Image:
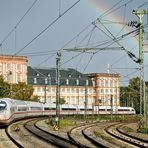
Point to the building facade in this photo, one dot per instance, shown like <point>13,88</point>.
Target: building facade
<point>13,68</point>
<point>107,88</point>
<point>92,89</point>
<point>75,87</point>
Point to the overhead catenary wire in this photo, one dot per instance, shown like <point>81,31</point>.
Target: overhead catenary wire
<point>20,20</point>
<point>87,27</point>
<point>54,21</point>
<point>110,41</point>
<point>142,5</point>
<point>111,10</point>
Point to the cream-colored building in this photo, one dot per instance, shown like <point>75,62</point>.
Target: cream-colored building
<point>75,87</point>
<point>107,88</point>
<point>13,68</point>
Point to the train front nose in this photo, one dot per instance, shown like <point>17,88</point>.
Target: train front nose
<point>3,108</point>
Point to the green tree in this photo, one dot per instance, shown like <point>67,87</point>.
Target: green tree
<point>123,96</point>
<point>130,94</point>
<point>134,88</point>
<point>22,91</point>
<point>4,88</point>
<point>62,101</point>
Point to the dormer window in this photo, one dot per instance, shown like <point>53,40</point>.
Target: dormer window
<point>46,81</point>
<point>35,80</point>
<point>67,82</point>
<point>87,82</point>
<point>77,82</point>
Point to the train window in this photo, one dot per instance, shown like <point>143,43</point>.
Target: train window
<point>3,105</point>
<point>108,109</point>
<point>46,108</point>
<point>89,109</point>
<point>36,108</point>
<point>101,109</point>
<point>49,108</point>
<point>68,109</point>
<point>22,109</point>
<point>123,109</point>
<point>82,109</point>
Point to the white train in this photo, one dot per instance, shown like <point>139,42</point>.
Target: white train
<point>11,110</point>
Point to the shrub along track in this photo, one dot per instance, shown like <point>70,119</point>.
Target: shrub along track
<point>115,131</point>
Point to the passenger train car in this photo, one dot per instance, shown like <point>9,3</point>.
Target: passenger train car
<point>11,110</point>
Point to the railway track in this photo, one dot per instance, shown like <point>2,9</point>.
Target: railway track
<point>15,141</point>
<point>20,137</point>
<point>115,131</point>
<point>5,141</point>
<point>49,137</point>
<point>80,135</point>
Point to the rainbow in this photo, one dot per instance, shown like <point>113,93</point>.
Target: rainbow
<point>100,7</point>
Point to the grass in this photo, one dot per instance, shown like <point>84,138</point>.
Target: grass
<point>143,130</point>
<point>66,122</point>
<point>127,129</point>
<point>102,136</point>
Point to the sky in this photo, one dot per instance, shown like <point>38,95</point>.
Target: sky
<point>39,29</point>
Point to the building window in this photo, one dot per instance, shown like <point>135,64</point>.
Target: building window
<point>102,83</point>
<point>38,89</point>
<point>63,90</point>
<point>18,77</point>
<point>8,67</point>
<point>93,82</point>
<point>111,83</point>
<point>72,90</point>
<point>115,84</point>
<point>106,83</point>
<point>87,82</point>
<point>35,80</point>
<point>18,67</point>
<point>8,77</point>
<point>102,90</point>
<point>46,81</point>
<point>67,82</point>
<point>53,90</point>
<point>77,82</point>
<point>68,90</point>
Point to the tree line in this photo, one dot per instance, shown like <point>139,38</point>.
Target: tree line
<point>20,91</point>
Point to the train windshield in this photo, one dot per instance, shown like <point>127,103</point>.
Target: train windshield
<point>3,105</point>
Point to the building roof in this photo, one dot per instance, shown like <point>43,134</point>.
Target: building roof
<point>12,57</point>
<point>70,77</point>
<point>91,75</point>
